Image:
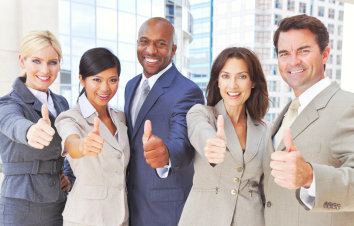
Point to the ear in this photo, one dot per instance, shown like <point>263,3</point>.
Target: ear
<point>325,54</point>
<point>21,61</point>
<point>81,81</point>
<point>174,49</point>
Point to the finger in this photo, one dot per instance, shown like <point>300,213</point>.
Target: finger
<point>35,144</point>
<point>220,132</point>
<point>45,127</point>
<point>214,149</point>
<point>288,140</point>
<point>154,142</point>
<point>45,114</point>
<point>147,131</point>
<point>92,137</point>
<point>279,156</point>
<point>216,141</point>
<point>96,126</point>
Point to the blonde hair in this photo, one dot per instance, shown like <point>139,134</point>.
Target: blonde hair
<point>37,40</point>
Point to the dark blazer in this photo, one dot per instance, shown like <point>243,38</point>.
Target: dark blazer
<point>152,200</point>
<point>324,134</point>
<point>29,173</point>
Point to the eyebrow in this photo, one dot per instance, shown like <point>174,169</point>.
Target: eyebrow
<point>300,48</point>
<point>241,72</point>
<point>35,57</point>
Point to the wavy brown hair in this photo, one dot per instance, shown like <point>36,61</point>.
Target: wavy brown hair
<point>258,102</point>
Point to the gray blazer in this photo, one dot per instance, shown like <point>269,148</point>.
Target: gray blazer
<point>31,174</point>
<point>229,193</point>
<point>324,134</point>
<point>99,195</point>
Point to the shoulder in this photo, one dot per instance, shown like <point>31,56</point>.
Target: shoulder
<point>72,114</point>
<point>60,98</point>
<point>202,110</point>
<point>118,115</point>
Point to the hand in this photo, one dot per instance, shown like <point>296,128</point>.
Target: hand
<point>289,169</point>
<point>155,151</point>
<point>41,133</point>
<point>215,147</point>
<point>65,183</point>
<point>93,143</point>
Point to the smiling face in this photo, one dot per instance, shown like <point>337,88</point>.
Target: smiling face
<point>301,63</point>
<point>234,83</point>
<point>41,68</point>
<point>155,46</point>
<point>100,88</point>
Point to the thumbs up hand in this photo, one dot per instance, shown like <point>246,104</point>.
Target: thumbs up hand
<point>41,133</point>
<point>93,143</point>
<point>289,168</point>
<point>215,147</point>
<point>155,151</point>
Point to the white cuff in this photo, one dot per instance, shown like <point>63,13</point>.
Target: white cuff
<point>163,172</point>
<point>308,195</point>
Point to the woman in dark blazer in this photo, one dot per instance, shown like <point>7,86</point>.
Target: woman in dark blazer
<point>32,189</point>
<point>229,138</point>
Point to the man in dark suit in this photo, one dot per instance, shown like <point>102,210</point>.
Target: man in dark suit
<point>156,102</point>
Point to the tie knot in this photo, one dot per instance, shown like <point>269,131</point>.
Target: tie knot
<point>295,104</point>
<point>145,88</point>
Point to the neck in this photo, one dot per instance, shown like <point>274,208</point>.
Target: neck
<point>236,114</point>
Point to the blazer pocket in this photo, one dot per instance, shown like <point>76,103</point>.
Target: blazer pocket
<point>93,191</point>
<point>167,195</point>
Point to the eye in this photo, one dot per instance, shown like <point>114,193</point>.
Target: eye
<point>53,62</point>
<point>143,42</point>
<point>96,79</point>
<point>242,76</point>
<point>114,80</point>
<point>224,76</point>
<point>36,61</point>
<point>283,54</point>
<point>303,51</point>
<point>160,44</point>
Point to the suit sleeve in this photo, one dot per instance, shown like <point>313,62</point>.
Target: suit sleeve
<point>200,128</point>
<point>178,144</point>
<point>13,123</point>
<point>335,185</point>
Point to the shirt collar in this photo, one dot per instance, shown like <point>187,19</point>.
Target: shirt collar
<point>306,97</point>
<point>43,97</point>
<point>152,80</point>
<point>87,109</point>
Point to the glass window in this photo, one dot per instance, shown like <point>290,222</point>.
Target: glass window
<point>331,13</point>
<point>127,6</point>
<point>125,31</point>
<point>262,36</point>
<point>332,1</point>
<point>340,30</point>
<point>144,7</point>
<point>127,52</point>
<point>65,63</point>
<point>331,28</point>
<point>339,60</point>
<point>263,4</point>
<point>106,24</point>
<point>302,7</point>
<point>88,2</point>
<point>80,45</point>
<point>236,21</point>
<point>236,6</point>
<point>64,17</point>
<point>291,5</point>
<point>340,15</point>
<point>201,27</point>
<point>83,20</point>
<point>107,3</point>
<point>321,11</point>
<point>65,44</point>
<point>338,74</point>
<point>111,45</point>
<point>330,59</point>
<point>339,45</point>
<point>249,4</point>
<point>278,4</point>
<point>277,19</point>
<point>262,53</point>
<point>331,43</point>
<point>263,20</point>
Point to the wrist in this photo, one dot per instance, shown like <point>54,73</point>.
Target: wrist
<point>310,175</point>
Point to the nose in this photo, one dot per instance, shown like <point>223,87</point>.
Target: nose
<point>234,82</point>
<point>151,48</point>
<point>104,86</point>
<point>294,60</point>
<point>45,69</point>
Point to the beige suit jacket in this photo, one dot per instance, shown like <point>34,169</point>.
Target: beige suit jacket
<point>324,134</point>
<point>229,193</point>
<point>98,196</point>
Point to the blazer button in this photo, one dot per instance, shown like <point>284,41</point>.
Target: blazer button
<point>236,180</point>
<point>239,169</point>
<point>234,192</point>
<point>119,155</point>
<point>325,205</point>
<point>269,204</point>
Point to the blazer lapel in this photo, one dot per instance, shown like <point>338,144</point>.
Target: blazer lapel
<point>310,113</point>
<point>232,142</point>
<point>255,135</point>
<point>129,98</point>
<point>157,90</point>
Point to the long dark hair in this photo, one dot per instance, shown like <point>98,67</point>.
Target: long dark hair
<point>96,60</point>
<point>258,102</point>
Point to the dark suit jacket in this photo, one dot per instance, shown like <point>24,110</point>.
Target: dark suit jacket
<point>324,134</point>
<point>31,174</point>
<point>152,200</point>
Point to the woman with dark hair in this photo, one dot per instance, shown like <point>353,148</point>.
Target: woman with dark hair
<point>229,138</point>
<point>95,137</point>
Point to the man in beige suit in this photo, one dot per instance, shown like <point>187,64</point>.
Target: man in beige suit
<point>308,173</point>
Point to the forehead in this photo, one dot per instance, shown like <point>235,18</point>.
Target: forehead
<point>235,65</point>
<point>294,39</point>
<point>156,30</point>
<point>46,52</point>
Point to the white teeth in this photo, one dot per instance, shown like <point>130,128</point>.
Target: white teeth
<point>103,96</point>
<point>150,60</point>
<point>43,77</point>
<point>298,71</point>
<point>233,94</point>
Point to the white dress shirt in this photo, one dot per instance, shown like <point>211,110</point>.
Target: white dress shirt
<point>45,98</point>
<point>162,172</point>
<point>308,195</point>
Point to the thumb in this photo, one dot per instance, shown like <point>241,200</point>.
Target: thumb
<point>96,126</point>
<point>45,114</point>
<point>147,131</point>
<point>220,132</point>
<point>288,140</point>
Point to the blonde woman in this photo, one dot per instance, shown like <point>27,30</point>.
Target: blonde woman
<point>32,190</point>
